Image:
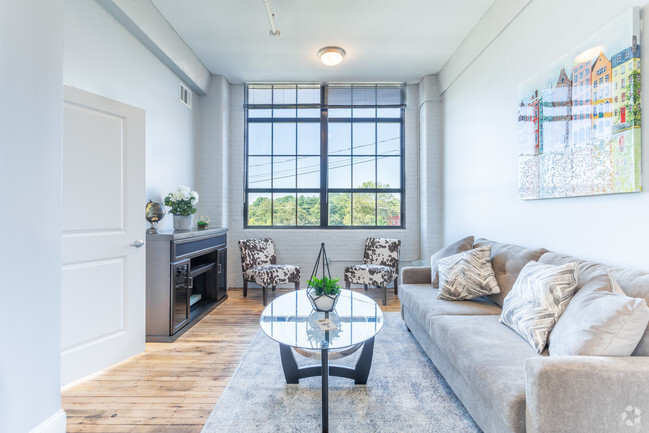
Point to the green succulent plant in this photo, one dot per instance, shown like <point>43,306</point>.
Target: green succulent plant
<point>325,285</point>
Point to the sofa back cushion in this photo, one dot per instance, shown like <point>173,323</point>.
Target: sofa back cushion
<point>507,260</point>
<point>634,284</point>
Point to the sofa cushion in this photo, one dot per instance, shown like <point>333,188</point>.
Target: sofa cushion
<point>598,322</point>
<point>421,300</point>
<point>537,300</point>
<point>634,283</point>
<point>487,360</point>
<point>457,247</point>
<point>507,260</point>
<point>467,275</point>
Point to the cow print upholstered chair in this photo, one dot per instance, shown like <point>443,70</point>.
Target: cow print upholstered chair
<point>259,265</point>
<point>380,266</point>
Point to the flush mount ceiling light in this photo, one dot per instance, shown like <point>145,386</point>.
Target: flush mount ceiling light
<point>331,56</point>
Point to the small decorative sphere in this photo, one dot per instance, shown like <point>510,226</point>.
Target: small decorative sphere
<point>154,212</point>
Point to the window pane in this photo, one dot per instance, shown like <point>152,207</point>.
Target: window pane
<point>340,112</point>
<point>389,172</point>
<point>283,209</point>
<point>284,172</point>
<point>308,95</point>
<point>259,137</point>
<point>388,138</point>
<point>259,172</point>
<point>308,210</point>
<point>364,112</point>
<point>389,112</point>
<point>340,209</point>
<point>259,209</point>
<point>388,95</point>
<point>284,139</point>
<point>363,95</point>
<point>339,95</point>
<point>364,209</point>
<point>308,138</point>
<point>340,172</point>
<point>284,94</point>
<point>364,172</point>
<point>284,113</point>
<point>308,112</point>
<point>340,138</point>
<point>388,209</point>
<point>363,134</point>
<point>254,114</point>
<point>308,172</point>
<point>260,95</point>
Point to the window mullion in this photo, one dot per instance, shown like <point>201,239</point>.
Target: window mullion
<point>324,160</point>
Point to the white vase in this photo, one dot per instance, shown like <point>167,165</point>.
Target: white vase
<point>182,222</point>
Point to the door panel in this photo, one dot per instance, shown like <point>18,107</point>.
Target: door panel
<point>103,291</point>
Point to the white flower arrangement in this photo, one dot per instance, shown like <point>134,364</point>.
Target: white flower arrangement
<point>182,201</point>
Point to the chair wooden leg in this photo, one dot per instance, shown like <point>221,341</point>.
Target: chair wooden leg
<point>273,288</point>
<point>263,291</point>
<point>365,286</point>
<point>347,284</point>
<point>245,288</point>
<point>396,286</point>
<point>385,295</point>
<point>297,285</point>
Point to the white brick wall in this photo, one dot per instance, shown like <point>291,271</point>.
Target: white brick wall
<point>431,163</point>
<point>300,247</point>
<point>212,149</point>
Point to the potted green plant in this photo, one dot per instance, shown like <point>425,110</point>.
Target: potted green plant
<point>323,292</point>
<point>182,203</point>
<point>203,222</point>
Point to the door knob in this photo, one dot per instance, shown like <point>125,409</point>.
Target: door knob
<point>137,244</point>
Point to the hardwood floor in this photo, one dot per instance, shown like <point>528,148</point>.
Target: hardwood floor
<point>172,387</point>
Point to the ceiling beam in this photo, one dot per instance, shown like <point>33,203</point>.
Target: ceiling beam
<point>147,24</point>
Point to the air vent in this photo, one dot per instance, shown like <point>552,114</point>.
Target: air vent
<point>185,95</point>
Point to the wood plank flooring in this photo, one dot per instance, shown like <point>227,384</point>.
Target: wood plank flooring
<point>172,387</point>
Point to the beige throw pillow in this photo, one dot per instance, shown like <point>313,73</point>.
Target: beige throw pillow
<point>467,275</point>
<point>600,322</point>
<point>538,298</point>
<point>462,245</point>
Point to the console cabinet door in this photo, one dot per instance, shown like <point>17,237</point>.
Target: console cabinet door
<point>222,278</point>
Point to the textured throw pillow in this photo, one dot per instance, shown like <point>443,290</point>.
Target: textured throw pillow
<point>537,300</point>
<point>467,275</point>
<point>599,321</point>
<point>457,247</point>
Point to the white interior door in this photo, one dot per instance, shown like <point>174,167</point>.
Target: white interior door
<point>103,288</point>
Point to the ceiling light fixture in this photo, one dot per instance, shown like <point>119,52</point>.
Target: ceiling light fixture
<point>331,56</point>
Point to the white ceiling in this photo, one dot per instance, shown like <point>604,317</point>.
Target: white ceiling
<point>385,40</point>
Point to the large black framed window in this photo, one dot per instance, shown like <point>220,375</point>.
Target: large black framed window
<point>324,155</point>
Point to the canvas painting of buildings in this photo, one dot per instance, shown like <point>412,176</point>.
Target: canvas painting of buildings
<point>579,120</point>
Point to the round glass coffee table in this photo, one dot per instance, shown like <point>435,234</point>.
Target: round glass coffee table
<point>291,322</point>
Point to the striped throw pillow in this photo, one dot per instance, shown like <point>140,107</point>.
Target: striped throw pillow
<point>467,275</point>
<point>540,295</point>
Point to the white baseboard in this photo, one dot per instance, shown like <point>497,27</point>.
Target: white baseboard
<point>54,424</point>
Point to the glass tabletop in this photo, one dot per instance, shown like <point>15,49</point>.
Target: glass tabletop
<point>290,320</point>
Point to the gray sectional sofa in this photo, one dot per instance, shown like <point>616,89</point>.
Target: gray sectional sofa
<point>503,382</point>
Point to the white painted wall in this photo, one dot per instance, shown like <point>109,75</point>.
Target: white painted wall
<point>102,57</point>
<point>480,145</point>
<point>31,47</point>
<point>300,247</point>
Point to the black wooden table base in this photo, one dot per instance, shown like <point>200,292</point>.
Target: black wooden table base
<point>293,373</point>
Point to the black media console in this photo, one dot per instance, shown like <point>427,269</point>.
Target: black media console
<point>185,280</point>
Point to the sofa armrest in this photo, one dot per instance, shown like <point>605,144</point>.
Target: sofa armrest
<point>587,394</point>
<point>415,275</point>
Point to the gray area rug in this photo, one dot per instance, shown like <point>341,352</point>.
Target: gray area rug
<point>404,393</point>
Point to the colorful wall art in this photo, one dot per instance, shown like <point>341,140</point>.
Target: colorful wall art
<point>579,119</point>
